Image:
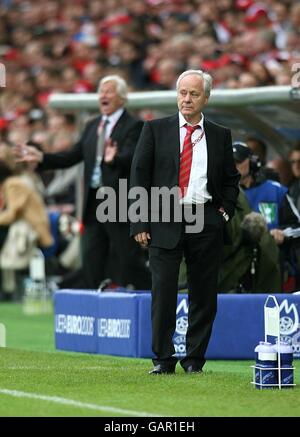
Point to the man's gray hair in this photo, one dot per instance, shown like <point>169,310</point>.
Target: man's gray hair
<point>207,79</point>
<point>121,85</point>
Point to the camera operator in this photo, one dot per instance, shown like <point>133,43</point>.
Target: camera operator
<point>271,199</point>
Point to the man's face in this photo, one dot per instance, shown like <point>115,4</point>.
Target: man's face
<point>109,99</point>
<point>256,149</point>
<point>295,164</point>
<point>191,98</point>
<point>243,167</point>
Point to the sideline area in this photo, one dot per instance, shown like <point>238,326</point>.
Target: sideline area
<point>224,389</point>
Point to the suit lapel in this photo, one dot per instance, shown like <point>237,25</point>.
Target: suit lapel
<point>118,126</point>
<point>173,140</point>
<point>210,136</point>
<point>92,142</point>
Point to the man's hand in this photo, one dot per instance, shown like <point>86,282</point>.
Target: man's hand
<point>224,214</point>
<point>111,149</point>
<point>278,235</point>
<point>24,153</point>
<point>142,238</point>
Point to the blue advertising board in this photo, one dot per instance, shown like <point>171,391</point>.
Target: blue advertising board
<point>75,320</point>
<point>120,324</point>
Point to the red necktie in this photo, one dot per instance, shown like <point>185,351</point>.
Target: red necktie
<point>186,158</point>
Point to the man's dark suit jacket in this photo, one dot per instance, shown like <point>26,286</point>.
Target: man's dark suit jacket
<point>126,133</point>
<point>156,164</point>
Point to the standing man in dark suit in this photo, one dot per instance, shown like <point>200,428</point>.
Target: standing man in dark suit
<point>106,147</point>
<point>188,151</point>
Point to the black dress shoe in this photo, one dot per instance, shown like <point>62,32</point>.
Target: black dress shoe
<point>160,370</point>
<point>193,369</point>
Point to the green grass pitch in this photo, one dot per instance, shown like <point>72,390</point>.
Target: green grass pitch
<point>36,380</point>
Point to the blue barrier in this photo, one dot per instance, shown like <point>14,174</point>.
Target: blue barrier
<point>75,321</point>
<point>119,323</point>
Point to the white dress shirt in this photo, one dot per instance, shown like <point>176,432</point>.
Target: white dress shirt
<point>197,188</point>
<point>112,121</point>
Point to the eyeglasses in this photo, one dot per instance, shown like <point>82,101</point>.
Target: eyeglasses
<point>294,161</point>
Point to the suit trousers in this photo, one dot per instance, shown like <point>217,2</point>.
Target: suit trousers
<point>202,252</point>
<point>108,251</point>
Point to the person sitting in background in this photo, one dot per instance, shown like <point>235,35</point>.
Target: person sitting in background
<point>294,188</point>
<point>250,263</point>
<point>280,167</point>
<point>24,225</point>
<point>270,198</point>
<point>258,147</point>
<point>250,256</point>
<point>23,170</point>
<point>61,189</point>
<point>21,202</point>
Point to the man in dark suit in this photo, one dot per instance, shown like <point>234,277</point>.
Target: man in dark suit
<point>106,147</point>
<point>190,152</point>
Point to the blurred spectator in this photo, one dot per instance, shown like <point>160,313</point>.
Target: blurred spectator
<point>294,16</point>
<point>24,171</point>
<point>62,185</point>
<point>83,42</point>
<point>258,147</point>
<point>264,196</point>
<point>282,168</point>
<point>167,74</point>
<point>20,201</point>
<point>250,263</point>
<point>105,148</point>
<point>294,188</point>
<point>270,199</point>
<point>247,80</point>
<point>261,73</point>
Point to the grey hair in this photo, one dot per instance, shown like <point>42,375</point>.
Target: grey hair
<point>121,85</point>
<point>207,79</point>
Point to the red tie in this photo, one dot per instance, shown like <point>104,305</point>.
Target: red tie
<point>186,158</point>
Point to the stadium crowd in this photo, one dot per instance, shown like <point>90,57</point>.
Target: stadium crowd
<point>68,46</point>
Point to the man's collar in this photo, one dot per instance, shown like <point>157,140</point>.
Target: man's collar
<point>183,121</point>
<point>114,117</point>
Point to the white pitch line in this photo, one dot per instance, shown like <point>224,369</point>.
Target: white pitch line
<point>56,368</point>
<point>73,403</point>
